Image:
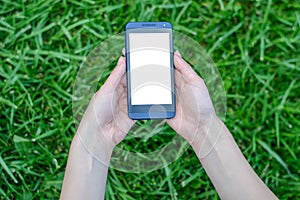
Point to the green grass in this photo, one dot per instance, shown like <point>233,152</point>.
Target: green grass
<point>255,45</point>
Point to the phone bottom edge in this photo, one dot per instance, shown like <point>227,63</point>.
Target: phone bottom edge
<point>154,115</point>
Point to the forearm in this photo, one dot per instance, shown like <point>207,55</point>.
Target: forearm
<point>226,166</point>
<point>85,176</point>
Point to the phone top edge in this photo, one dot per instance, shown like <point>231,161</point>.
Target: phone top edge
<point>133,25</point>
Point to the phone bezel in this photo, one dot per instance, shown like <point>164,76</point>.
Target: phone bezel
<point>158,111</point>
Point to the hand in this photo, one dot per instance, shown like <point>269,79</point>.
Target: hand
<point>107,111</point>
<point>194,107</point>
<point>104,124</point>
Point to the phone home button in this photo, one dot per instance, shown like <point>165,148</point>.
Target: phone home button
<point>157,111</point>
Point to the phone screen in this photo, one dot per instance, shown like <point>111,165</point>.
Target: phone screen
<point>150,71</point>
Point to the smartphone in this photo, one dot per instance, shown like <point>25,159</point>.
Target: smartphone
<point>150,70</point>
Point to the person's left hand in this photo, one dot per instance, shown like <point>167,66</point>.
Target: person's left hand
<point>107,111</point>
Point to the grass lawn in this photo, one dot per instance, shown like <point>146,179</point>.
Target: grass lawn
<point>255,45</point>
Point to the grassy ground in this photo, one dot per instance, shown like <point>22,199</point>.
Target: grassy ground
<point>255,45</point>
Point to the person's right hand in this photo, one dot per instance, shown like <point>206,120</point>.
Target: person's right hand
<point>194,107</point>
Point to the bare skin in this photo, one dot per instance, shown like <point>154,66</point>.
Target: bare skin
<point>106,123</point>
<point>213,144</point>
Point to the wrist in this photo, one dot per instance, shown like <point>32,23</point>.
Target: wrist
<point>96,145</point>
<point>208,136</point>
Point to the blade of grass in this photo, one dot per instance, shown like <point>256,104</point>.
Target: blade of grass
<point>223,37</point>
<point>274,155</point>
<point>8,171</point>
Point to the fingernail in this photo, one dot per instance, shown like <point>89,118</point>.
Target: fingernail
<point>120,60</point>
<point>178,53</point>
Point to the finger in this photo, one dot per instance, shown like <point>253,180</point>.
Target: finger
<point>123,81</point>
<point>114,78</point>
<point>122,85</point>
<point>184,68</point>
<point>178,78</point>
<point>123,51</point>
<point>174,123</point>
<point>120,91</point>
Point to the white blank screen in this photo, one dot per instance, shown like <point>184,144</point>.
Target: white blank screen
<point>150,68</point>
